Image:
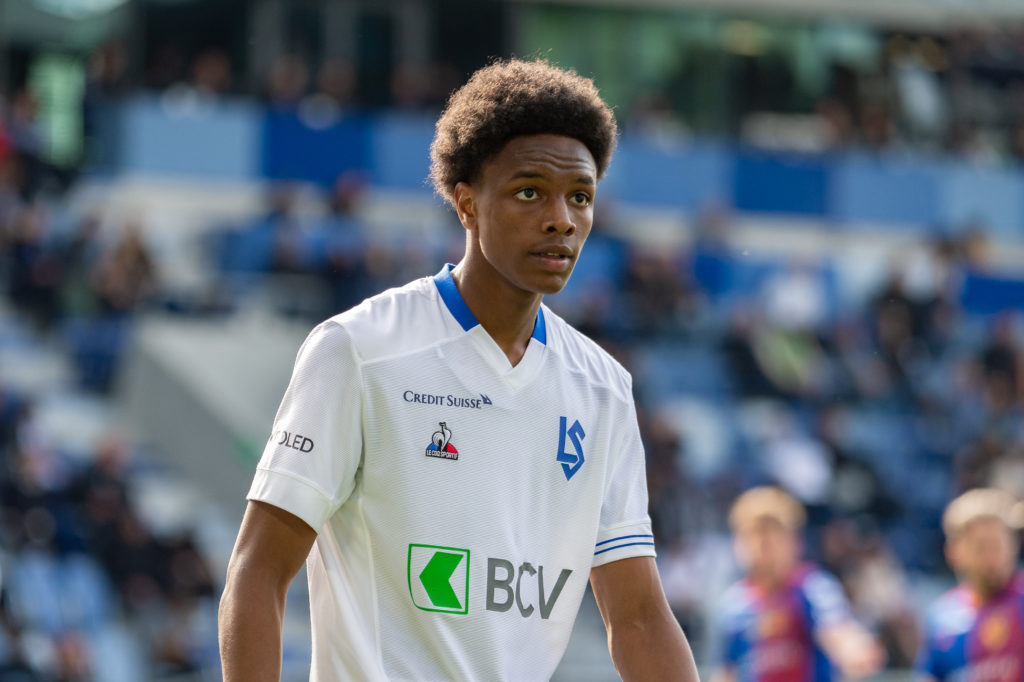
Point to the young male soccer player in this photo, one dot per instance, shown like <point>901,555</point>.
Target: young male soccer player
<point>976,631</point>
<point>454,459</point>
<point>786,621</point>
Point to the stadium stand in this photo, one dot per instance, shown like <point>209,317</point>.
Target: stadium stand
<point>829,303</point>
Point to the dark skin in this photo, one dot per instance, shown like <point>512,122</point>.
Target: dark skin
<point>271,547</point>
<point>526,219</point>
<point>534,198</point>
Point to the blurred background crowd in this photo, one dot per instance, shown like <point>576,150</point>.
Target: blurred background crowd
<point>809,254</point>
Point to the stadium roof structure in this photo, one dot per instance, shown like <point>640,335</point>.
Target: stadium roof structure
<point>905,14</point>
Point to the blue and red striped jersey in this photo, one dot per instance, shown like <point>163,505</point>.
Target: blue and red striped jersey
<point>771,636</point>
<point>970,640</point>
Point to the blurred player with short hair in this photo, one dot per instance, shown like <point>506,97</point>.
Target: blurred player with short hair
<point>786,621</point>
<point>976,630</point>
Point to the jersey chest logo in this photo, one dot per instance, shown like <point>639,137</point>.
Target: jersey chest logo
<point>440,444</point>
<point>994,632</point>
<point>570,461</point>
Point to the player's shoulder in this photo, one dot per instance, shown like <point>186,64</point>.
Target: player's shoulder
<point>954,598</point>
<point>951,613</point>
<point>809,574</point>
<point>819,587</point>
<point>739,600</point>
<point>581,355</point>
<point>395,321</point>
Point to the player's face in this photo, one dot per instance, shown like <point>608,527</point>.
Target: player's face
<point>531,210</point>
<point>985,555</point>
<point>767,550</point>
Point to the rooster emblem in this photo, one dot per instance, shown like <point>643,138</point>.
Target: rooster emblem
<point>441,438</point>
<point>440,444</point>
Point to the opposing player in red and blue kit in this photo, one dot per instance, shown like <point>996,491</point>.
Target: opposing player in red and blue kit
<point>975,632</point>
<point>786,621</point>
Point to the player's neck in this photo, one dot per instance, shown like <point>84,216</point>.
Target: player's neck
<point>770,581</point>
<point>506,313</point>
<point>985,593</point>
<point>765,584</point>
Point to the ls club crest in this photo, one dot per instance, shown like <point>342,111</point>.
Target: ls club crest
<point>571,462</point>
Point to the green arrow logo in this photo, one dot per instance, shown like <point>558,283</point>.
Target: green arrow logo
<point>437,577</point>
<point>436,582</point>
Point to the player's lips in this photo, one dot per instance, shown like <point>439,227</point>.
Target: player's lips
<point>554,257</point>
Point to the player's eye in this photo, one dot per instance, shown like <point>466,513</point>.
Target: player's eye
<point>581,199</point>
<point>527,194</point>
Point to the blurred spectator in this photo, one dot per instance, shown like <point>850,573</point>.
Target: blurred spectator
<point>652,117</point>
<point>23,128</point>
<point>35,272</point>
<point>108,71</point>
<point>335,87</point>
<point>336,80</point>
<point>876,126</point>
<point>211,73</point>
<point>656,294</point>
<point>78,253</point>
<point>287,81</point>
<point>125,276</point>
<point>164,66</point>
<point>445,78</point>
<point>838,123</point>
<point>342,246</point>
<point>6,144</point>
<point>410,85</point>
<point>28,141</point>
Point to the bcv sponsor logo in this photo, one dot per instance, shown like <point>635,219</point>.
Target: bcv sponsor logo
<point>295,441</point>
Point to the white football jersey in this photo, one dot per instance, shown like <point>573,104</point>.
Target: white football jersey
<point>460,501</point>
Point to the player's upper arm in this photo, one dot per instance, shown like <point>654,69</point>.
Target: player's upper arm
<point>826,601</point>
<point>271,547</point>
<point>845,641</point>
<point>628,591</point>
<point>644,638</point>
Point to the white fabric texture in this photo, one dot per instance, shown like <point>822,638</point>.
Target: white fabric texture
<point>467,561</point>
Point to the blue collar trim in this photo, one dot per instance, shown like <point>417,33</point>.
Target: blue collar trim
<point>540,332</point>
<point>460,311</point>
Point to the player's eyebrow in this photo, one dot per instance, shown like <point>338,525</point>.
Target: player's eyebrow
<point>534,175</point>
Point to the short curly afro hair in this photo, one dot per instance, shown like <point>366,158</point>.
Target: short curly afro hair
<point>511,98</point>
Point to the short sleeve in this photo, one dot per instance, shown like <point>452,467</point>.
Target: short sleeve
<point>310,462</point>
<point>731,645</point>
<point>928,664</point>
<point>625,527</point>
<point>826,601</point>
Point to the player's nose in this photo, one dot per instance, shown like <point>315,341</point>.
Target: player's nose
<point>559,219</point>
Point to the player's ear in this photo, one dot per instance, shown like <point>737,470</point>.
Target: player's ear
<point>952,554</point>
<point>465,205</point>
